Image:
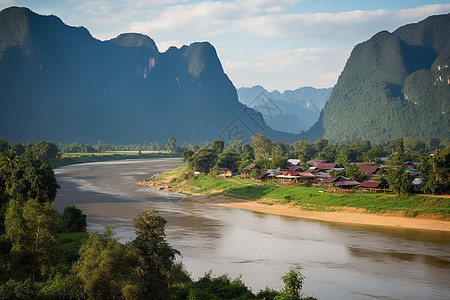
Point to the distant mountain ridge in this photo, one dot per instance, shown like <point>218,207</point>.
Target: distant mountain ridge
<point>294,111</point>
<point>59,83</point>
<point>394,85</point>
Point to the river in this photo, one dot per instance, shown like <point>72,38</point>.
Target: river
<point>340,261</point>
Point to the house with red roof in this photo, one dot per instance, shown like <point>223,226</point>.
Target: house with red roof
<point>370,171</point>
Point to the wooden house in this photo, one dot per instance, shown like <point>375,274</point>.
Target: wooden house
<point>348,184</point>
<point>374,186</point>
<point>248,170</point>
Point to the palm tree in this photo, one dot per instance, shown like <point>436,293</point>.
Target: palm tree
<point>8,159</point>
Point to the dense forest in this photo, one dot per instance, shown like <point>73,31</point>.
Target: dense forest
<point>393,85</point>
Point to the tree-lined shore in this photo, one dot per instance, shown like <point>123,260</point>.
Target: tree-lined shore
<point>47,255</point>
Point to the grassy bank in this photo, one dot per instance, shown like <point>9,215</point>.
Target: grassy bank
<point>306,198</point>
<point>79,158</point>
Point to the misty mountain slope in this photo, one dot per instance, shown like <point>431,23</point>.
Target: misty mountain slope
<point>59,83</point>
<point>290,111</point>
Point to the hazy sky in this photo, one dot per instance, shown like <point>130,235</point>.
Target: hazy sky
<point>279,44</point>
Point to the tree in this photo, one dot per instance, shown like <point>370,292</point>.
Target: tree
<point>229,160</point>
<point>262,146</point>
<point>31,230</point>
<point>170,146</point>
<point>343,158</point>
<point>435,170</point>
<point>305,151</point>
<point>8,160</point>
<point>278,162</point>
<point>399,181</point>
<point>203,160</point>
<point>107,269</point>
<point>45,151</point>
<point>4,145</point>
<point>320,144</point>
<point>236,146</point>
<point>155,254</point>
<point>218,146</point>
<point>187,155</point>
<point>32,179</point>
<point>293,285</point>
<point>73,220</point>
<point>371,155</point>
<point>352,171</point>
<point>329,152</point>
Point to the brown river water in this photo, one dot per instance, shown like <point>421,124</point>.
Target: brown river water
<point>339,261</point>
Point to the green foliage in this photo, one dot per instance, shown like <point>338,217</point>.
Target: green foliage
<point>278,162</point>
<point>229,160</point>
<point>76,147</point>
<point>156,256</point>
<point>435,170</point>
<point>262,146</point>
<point>106,268</point>
<point>203,160</point>
<point>16,289</point>
<point>31,231</point>
<point>222,287</point>
<point>218,146</point>
<point>170,146</point>
<point>353,172</point>
<point>399,181</point>
<point>293,284</point>
<point>31,179</point>
<point>187,155</point>
<point>45,151</point>
<point>73,220</point>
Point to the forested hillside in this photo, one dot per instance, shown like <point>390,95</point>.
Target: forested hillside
<point>394,85</point>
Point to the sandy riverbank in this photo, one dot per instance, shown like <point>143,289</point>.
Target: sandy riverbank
<point>343,217</point>
<point>349,215</point>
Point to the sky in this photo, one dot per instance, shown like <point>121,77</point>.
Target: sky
<point>279,44</point>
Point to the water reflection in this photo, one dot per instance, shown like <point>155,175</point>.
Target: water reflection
<point>341,261</point>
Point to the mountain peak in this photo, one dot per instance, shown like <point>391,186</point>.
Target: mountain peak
<point>200,55</point>
<point>135,40</point>
<point>387,82</point>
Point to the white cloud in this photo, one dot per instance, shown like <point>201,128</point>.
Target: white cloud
<point>352,25</point>
<point>164,45</point>
<point>250,35</point>
<point>289,69</point>
<point>6,3</point>
<point>204,17</point>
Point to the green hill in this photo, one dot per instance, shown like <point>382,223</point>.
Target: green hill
<point>393,85</point>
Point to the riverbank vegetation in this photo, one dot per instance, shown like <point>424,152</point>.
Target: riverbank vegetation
<point>224,172</point>
<point>305,198</point>
<point>47,255</point>
<point>76,153</point>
